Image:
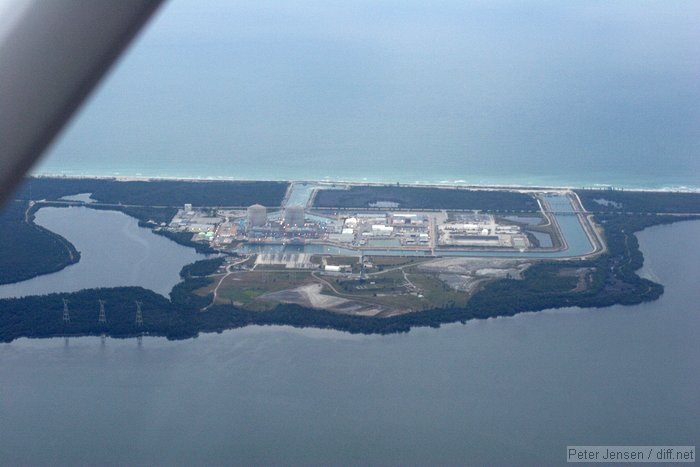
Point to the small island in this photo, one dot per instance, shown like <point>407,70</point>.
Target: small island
<point>363,258</point>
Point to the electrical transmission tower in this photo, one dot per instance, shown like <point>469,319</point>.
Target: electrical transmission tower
<point>103,316</point>
<point>66,315</point>
<point>139,314</point>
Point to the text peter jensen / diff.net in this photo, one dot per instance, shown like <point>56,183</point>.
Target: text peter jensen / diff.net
<point>630,454</point>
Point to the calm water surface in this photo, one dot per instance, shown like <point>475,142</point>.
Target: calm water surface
<point>114,250</point>
<point>500,391</point>
<point>537,92</point>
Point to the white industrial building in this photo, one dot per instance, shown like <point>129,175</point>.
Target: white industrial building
<point>379,229</point>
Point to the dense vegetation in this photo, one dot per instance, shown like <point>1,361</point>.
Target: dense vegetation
<point>639,201</point>
<point>426,198</point>
<point>42,315</point>
<point>611,280</point>
<point>157,192</point>
<point>202,268</point>
<point>185,239</point>
<point>28,250</point>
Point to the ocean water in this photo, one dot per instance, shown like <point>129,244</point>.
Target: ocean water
<point>571,93</point>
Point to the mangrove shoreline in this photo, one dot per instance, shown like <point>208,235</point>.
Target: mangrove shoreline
<point>545,285</point>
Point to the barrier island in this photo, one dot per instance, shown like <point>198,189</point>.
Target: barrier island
<point>360,258</point>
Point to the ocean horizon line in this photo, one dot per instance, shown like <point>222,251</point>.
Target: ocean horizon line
<point>366,181</point>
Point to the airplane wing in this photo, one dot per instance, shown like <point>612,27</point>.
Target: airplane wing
<point>52,54</point>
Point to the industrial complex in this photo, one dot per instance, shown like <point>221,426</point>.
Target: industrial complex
<point>381,260</point>
<point>367,232</point>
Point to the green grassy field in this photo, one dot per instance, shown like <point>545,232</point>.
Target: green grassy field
<point>246,286</point>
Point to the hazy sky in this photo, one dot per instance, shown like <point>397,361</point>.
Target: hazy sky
<point>450,89</point>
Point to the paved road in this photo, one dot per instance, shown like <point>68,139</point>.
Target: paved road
<point>228,273</point>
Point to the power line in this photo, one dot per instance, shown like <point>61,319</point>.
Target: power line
<point>103,316</point>
<point>66,314</point>
<point>139,314</point>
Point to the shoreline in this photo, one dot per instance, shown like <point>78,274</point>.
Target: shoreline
<point>447,184</point>
<point>615,281</point>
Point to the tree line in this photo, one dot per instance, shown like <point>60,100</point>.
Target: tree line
<point>408,197</point>
<point>613,280</point>
<point>156,192</point>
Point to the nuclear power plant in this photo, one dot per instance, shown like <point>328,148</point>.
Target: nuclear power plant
<point>294,216</point>
<point>257,216</point>
<point>375,229</point>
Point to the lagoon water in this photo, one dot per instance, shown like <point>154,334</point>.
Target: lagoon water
<point>510,391</point>
<point>503,92</point>
<point>114,250</point>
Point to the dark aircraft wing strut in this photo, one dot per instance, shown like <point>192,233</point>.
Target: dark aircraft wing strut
<point>52,54</point>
